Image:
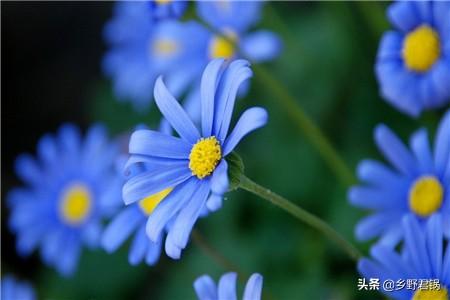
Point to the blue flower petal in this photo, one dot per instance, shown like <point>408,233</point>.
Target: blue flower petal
<point>441,15</point>
<point>421,149</point>
<point>392,236</point>
<point>214,202</point>
<point>47,150</point>
<point>391,261</point>
<point>391,45</point>
<point>399,87</point>
<point>205,288</point>
<point>375,224</point>
<point>187,217</point>
<point>403,15</point>
<point>439,77</point>
<point>442,144</point>
<point>67,259</point>
<point>154,143</point>
<point>261,46</point>
<point>169,207</point>
<point>219,180</point>
<point>227,286</point>
<point>234,15</point>
<point>70,142</point>
<point>394,150</point>
<point>434,240</point>
<point>174,113</point>
<point>120,228</point>
<point>252,119</point>
<point>153,251</point>
<point>28,170</point>
<point>149,183</point>
<point>91,234</point>
<point>377,198</point>
<point>253,288</point>
<point>236,74</point>
<point>446,266</point>
<point>172,250</point>
<point>416,244</point>
<point>210,81</point>
<point>379,175</point>
<point>138,247</point>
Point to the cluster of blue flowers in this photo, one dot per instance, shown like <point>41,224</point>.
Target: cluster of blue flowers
<point>178,174</point>
<point>410,200</point>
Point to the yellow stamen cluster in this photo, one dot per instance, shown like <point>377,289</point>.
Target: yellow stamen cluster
<point>149,203</point>
<point>421,49</point>
<point>164,47</point>
<point>426,196</point>
<point>204,156</point>
<point>75,204</point>
<point>222,47</point>
<point>441,294</point>
<point>160,2</point>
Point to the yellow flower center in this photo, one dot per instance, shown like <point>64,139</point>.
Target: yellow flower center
<point>421,49</point>
<point>426,196</point>
<point>148,204</point>
<point>441,294</point>
<point>163,1</point>
<point>75,204</point>
<point>164,47</point>
<point>223,47</point>
<point>204,156</point>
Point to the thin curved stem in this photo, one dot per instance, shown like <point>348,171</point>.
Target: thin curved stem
<point>301,214</point>
<point>307,126</point>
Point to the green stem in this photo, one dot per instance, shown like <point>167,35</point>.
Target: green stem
<point>301,214</point>
<point>306,125</point>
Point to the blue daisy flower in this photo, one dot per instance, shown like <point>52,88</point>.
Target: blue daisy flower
<point>425,257</point>
<point>142,49</point>
<point>413,62</point>
<point>12,289</point>
<point>71,187</point>
<point>233,19</point>
<point>206,289</point>
<point>161,9</point>
<point>191,166</point>
<point>418,185</point>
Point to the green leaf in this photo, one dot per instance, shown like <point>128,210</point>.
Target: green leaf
<point>235,170</point>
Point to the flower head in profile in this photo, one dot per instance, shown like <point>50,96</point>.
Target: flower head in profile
<point>161,9</point>
<point>71,186</point>
<point>425,257</point>
<point>413,62</point>
<point>13,289</point>
<point>191,167</point>
<point>233,20</point>
<point>206,289</point>
<point>142,48</point>
<point>418,184</point>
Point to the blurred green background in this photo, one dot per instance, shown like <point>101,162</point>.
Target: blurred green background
<point>51,74</point>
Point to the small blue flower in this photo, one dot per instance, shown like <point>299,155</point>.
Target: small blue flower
<point>161,9</point>
<point>191,166</point>
<point>234,19</point>
<point>413,62</point>
<point>426,256</point>
<point>12,289</point>
<point>418,185</point>
<point>71,186</point>
<point>206,289</point>
<point>142,49</point>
